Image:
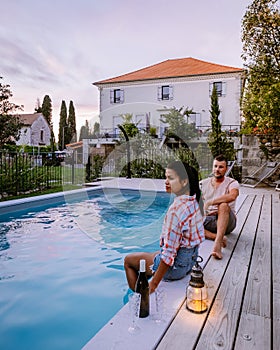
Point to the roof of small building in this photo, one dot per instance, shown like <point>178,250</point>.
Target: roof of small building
<point>173,68</point>
<point>75,145</point>
<point>29,119</point>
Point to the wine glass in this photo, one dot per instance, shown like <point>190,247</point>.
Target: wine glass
<point>134,300</point>
<point>160,295</point>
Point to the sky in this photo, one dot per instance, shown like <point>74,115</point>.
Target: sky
<point>61,47</point>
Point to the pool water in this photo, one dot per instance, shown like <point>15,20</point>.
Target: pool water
<point>61,268</point>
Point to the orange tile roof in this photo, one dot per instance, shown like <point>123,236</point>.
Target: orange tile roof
<point>173,68</point>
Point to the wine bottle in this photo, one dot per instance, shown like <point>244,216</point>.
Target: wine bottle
<point>142,287</point>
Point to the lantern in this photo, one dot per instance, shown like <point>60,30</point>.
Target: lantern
<point>196,290</point>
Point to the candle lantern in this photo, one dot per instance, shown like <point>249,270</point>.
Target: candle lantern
<point>196,290</point>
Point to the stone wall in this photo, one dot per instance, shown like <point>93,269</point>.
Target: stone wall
<point>253,157</point>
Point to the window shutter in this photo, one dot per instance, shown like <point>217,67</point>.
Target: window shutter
<point>220,117</point>
<point>111,96</point>
<point>159,93</point>
<point>170,92</point>
<point>121,96</point>
<point>198,119</point>
<point>224,88</point>
<point>210,88</point>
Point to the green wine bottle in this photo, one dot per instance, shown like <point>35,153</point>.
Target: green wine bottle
<point>142,287</point>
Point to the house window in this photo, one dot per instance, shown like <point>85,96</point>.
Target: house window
<point>165,92</point>
<point>117,120</point>
<point>220,87</point>
<point>140,121</point>
<point>42,136</point>
<point>117,96</point>
<point>195,118</point>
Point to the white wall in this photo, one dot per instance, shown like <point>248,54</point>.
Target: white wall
<point>193,92</point>
<point>31,135</point>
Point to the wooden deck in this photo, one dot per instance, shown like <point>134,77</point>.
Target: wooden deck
<point>243,287</point>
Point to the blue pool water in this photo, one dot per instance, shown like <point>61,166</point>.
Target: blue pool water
<point>61,267</point>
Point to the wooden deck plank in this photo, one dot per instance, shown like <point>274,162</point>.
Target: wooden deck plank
<point>220,328</point>
<point>252,337</point>
<point>257,299</point>
<point>275,271</point>
<point>255,322</point>
<point>186,326</point>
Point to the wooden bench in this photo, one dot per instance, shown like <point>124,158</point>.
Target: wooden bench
<point>243,287</point>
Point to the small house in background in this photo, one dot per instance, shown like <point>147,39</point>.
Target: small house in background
<point>35,131</point>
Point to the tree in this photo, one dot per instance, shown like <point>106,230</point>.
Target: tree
<point>261,54</point>
<point>46,110</point>
<point>62,126</point>
<point>178,124</point>
<point>96,129</point>
<point>71,122</point>
<point>84,132</point>
<point>38,108</point>
<point>217,139</point>
<point>129,127</point>
<point>10,124</point>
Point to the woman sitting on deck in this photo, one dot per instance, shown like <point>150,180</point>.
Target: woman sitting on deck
<point>182,231</point>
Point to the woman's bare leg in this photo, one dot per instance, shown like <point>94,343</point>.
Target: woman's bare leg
<point>132,263</point>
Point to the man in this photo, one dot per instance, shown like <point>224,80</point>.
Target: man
<point>219,193</point>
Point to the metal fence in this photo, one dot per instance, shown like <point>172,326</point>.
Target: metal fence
<point>23,172</point>
<point>146,162</point>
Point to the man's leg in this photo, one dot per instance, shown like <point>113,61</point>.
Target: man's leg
<point>132,263</point>
<point>212,237</point>
<point>222,223</point>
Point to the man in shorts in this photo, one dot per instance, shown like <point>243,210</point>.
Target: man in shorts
<point>219,193</point>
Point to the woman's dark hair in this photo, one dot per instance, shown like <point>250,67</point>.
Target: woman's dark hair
<point>186,171</point>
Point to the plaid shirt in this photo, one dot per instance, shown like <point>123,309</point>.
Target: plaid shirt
<point>182,227</point>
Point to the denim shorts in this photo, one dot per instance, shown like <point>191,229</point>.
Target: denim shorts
<point>183,263</point>
<point>210,223</point>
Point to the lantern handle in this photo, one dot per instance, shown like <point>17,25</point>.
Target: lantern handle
<point>199,259</point>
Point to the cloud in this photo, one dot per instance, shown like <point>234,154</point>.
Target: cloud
<point>50,63</point>
<point>23,64</point>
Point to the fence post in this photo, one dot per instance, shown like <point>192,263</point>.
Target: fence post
<point>73,169</point>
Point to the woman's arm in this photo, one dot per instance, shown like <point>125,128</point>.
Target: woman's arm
<point>160,272</point>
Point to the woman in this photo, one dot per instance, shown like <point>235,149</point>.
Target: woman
<point>182,231</point>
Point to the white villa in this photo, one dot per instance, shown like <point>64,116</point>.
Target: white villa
<point>150,92</point>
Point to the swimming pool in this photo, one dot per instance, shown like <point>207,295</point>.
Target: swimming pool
<point>61,266</point>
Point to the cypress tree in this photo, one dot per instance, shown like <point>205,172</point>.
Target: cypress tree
<point>217,139</point>
<point>72,131</point>
<point>84,132</point>
<point>46,110</point>
<point>62,126</point>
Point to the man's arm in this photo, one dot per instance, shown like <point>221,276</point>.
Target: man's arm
<point>225,198</point>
